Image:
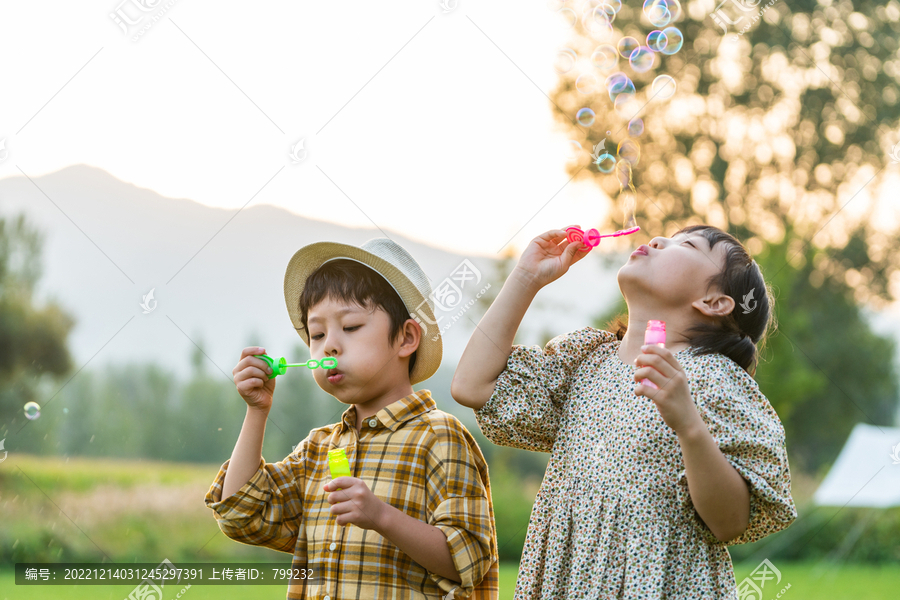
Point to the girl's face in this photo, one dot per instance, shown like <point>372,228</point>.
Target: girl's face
<point>673,271</point>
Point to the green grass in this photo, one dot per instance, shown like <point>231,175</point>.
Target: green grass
<point>809,581</point>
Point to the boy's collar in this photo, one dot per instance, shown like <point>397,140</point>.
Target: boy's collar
<point>396,413</point>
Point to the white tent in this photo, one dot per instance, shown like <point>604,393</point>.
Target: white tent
<point>867,471</point>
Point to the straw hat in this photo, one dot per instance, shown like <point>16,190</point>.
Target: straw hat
<point>389,260</point>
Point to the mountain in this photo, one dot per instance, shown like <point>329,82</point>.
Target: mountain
<point>217,275</point>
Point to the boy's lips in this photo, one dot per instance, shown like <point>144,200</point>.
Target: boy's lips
<point>334,375</point>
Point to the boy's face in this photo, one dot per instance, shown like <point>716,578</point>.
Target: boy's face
<point>369,367</point>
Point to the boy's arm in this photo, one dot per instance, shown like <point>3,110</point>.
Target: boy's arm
<point>247,451</point>
<point>424,543</point>
<point>256,502</point>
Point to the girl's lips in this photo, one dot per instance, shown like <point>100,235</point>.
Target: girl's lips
<point>336,378</point>
<point>641,251</point>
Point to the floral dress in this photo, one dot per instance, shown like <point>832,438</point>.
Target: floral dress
<point>613,517</point>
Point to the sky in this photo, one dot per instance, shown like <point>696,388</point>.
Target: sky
<point>411,119</point>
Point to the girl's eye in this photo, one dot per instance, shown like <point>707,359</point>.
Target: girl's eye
<point>352,328</point>
<point>317,336</point>
<point>688,242</point>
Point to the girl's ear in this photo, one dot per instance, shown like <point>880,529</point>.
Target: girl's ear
<point>715,305</point>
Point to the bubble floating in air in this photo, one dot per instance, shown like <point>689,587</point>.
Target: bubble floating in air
<point>662,88</point>
<point>574,150</point>
<point>656,40</point>
<point>605,163</point>
<point>605,57</point>
<point>626,46</point>
<point>565,60</point>
<point>674,40</point>
<point>629,151</point>
<point>635,127</point>
<point>586,83</point>
<point>585,117</point>
<point>568,17</point>
<point>32,410</point>
<point>641,59</point>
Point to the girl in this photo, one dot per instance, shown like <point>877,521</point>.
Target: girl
<point>645,487</point>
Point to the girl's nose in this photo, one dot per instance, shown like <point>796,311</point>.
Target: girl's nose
<point>656,242</point>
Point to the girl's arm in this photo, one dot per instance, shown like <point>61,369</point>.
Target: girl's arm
<point>719,493</point>
<point>545,259</point>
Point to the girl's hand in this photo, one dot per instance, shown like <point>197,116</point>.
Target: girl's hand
<point>545,259</point>
<point>673,398</point>
<point>354,503</point>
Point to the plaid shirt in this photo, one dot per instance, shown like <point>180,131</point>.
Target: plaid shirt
<point>413,456</point>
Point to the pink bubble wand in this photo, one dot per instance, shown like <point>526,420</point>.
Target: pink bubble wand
<point>592,237</point>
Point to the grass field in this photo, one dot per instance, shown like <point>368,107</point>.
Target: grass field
<point>54,510</point>
<point>808,581</point>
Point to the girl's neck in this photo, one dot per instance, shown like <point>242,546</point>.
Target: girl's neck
<point>631,344</point>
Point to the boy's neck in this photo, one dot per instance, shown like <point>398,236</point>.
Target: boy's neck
<point>366,409</point>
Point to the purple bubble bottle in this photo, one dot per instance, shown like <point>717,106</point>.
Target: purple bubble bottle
<point>655,334</point>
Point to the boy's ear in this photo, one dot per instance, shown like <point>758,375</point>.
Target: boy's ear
<point>410,337</point>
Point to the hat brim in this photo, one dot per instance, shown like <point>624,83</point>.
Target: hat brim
<point>311,257</point>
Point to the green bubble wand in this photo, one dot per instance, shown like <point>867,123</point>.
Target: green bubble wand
<point>280,365</point>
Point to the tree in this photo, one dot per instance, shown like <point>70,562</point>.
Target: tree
<point>32,338</point>
<point>778,135</point>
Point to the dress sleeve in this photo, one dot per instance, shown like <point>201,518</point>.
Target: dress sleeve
<point>750,435</point>
<point>267,510</point>
<point>531,394</point>
<point>459,504</point>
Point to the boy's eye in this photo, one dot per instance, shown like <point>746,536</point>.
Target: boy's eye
<point>315,337</point>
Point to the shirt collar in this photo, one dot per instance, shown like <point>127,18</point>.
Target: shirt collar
<point>396,413</point>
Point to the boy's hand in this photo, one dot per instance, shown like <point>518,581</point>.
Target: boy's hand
<point>354,503</point>
<point>251,377</point>
<point>673,398</point>
<point>545,259</point>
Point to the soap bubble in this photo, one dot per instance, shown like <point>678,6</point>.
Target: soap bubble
<point>663,87</point>
<point>32,410</point>
<point>568,17</point>
<point>674,40</point>
<point>658,13</point>
<point>585,117</point>
<point>635,127</point>
<point>641,59</point>
<point>605,163</point>
<point>605,57</point>
<point>629,151</point>
<point>626,105</point>
<point>573,150</point>
<point>565,60</point>
<point>656,40</point>
<point>586,83</point>
<point>616,5</point>
<point>619,83</point>
<point>605,9</point>
<point>598,22</point>
<point>626,46</point>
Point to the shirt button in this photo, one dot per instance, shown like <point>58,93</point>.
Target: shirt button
<point>332,546</point>
<point>373,422</point>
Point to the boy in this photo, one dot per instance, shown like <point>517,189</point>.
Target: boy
<point>416,519</point>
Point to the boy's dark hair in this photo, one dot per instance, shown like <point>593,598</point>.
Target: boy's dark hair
<point>737,334</point>
<point>353,282</point>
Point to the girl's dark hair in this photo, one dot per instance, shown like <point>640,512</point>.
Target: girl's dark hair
<point>737,334</point>
<point>353,282</point>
